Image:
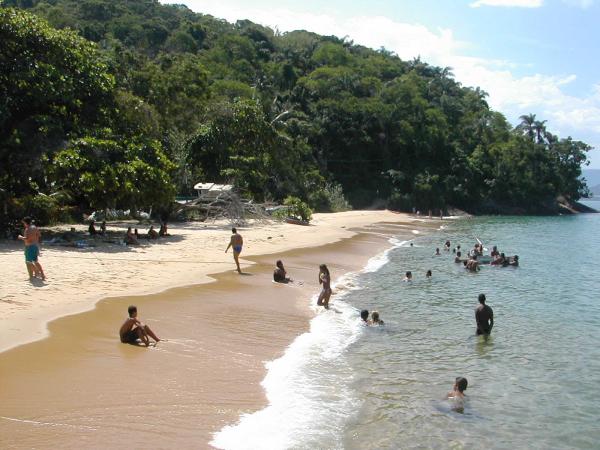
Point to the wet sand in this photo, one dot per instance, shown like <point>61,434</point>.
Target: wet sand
<point>82,388</point>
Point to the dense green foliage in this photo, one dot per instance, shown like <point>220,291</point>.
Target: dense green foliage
<point>123,103</point>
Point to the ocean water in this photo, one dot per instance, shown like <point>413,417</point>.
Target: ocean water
<point>535,383</point>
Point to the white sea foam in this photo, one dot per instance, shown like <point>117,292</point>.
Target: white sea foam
<point>302,394</point>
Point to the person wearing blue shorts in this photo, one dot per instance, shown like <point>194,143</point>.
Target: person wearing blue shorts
<point>31,238</point>
<point>236,242</point>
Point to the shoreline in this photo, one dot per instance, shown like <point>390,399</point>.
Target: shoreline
<point>252,310</point>
<point>26,308</point>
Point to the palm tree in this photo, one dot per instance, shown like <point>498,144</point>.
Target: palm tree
<point>539,126</point>
<point>527,125</point>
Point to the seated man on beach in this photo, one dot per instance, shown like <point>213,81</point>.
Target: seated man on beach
<point>132,329</point>
<point>103,228</point>
<point>163,230</point>
<point>484,317</point>
<point>375,320</point>
<point>152,234</point>
<point>279,274</point>
<point>130,238</point>
<point>92,229</point>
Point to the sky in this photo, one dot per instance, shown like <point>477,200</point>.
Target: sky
<point>530,56</point>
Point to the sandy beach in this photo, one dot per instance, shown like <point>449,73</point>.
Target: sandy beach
<point>82,388</point>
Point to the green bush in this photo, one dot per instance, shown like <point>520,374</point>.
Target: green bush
<point>44,209</point>
<point>329,198</point>
<point>298,209</point>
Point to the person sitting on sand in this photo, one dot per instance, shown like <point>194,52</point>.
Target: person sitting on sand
<point>408,276</point>
<point>437,252</point>
<point>163,230</point>
<point>428,274</point>
<point>364,315</point>
<point>132,329</point>
<point>130,237</point>
<point>103,228</point>
<point>325,280</point>
<point>375,320</point>
<point>458,259</point>
<point>484,317</point>
<point>459,388</point>
<point>279,274</point>
<point>152,234</point>
<point>92,229</point>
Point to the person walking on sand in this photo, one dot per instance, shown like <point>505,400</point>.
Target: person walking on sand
<point>236,242</point>
<point>31,239</point>
<point>484,316</point>
<point>132,329</point>
<point>325,280</point>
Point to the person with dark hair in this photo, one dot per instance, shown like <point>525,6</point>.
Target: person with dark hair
<point>364,315</point>
<point>92,229</point>
<point>130,237</point>
<point>428,274</point>
<point>152,234</point>
<point>460,386</point>
<point>31,237</point>
<point>103,228</point>
<point>457,259</point>
<point>437,252</point>
<point>484,316</point>
<point>408,276</point>
<point>325,280</point>
<point>132,330</point>
<point>279,274</point>
<point>236,242</point>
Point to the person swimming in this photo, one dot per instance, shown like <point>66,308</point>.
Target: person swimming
<point>408,276</point>
<point>364,315</point>
<point>375,320</point>
<point>428,274</point>
<point>437,252</point>
<point>459,388</point>
<point>457,259</point>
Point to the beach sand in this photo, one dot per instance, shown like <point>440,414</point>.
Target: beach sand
<point>82,388</point>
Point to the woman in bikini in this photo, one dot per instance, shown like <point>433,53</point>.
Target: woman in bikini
<point>325,280</point>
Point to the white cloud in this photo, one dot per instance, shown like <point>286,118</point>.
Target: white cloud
<point>509,3</point>
<point>513,95</point>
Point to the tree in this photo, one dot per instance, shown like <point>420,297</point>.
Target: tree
<point>53,83</point>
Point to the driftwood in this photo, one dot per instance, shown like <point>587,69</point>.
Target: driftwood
<point>224,205</point>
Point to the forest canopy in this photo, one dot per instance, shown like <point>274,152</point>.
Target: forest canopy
<point>126,104</point>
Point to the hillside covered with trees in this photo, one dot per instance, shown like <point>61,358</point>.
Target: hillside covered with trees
<point>125,104</point>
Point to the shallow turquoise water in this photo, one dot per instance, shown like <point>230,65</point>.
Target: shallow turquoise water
<point>534,384</point>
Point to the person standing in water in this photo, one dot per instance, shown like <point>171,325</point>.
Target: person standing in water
<point>236,242</point>
<point>325,280</point>
<point>484,316</point>
<point>31,238</point>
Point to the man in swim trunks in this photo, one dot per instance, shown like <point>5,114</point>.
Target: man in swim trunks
<point>132,329</point>
<point>32,249</point>
<point>236,242</point>
<point>484,316</point>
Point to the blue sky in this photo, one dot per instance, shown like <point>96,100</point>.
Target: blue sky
<point>530,56</point>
